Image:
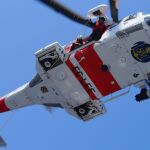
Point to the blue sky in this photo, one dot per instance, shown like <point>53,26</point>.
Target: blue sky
<point>25,27</point>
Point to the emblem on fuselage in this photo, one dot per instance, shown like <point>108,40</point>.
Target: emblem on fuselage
<point>141,51</point>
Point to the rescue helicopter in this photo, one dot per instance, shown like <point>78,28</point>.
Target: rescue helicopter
<point>77,79</point>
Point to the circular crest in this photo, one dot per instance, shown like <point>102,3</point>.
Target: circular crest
<point>141,51</point>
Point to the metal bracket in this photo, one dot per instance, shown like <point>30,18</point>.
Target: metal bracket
<point>117,96</point>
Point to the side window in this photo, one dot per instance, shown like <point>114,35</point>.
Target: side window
<point>147,20</point>
<point>36,80</point>
<point>131,17</point>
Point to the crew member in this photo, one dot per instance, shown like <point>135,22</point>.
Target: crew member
<point>99,27</point>
<point>77,43</point>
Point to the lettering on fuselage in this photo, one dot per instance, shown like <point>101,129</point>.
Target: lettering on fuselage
<point>83,80</point>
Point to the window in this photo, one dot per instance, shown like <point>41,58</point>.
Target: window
<point>36,80</point>
<point>147,20</point>
<point>131,17</point>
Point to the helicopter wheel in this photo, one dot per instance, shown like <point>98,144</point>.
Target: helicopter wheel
<point>142,96</point>
<point>82,111</point>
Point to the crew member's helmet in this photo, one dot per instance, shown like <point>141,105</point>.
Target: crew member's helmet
<point>79,39</point>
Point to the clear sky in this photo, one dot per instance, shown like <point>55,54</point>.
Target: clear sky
<point>26,26</point>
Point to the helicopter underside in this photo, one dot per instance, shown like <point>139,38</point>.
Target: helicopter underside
<point>77,80</point>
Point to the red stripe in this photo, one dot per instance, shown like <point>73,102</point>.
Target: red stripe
<point>80,79</point>
<point>3,106</point>
<point>103,80</point>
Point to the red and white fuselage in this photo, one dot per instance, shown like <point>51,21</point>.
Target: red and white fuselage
<point>77,80</point>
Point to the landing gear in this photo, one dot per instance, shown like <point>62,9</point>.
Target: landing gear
<point>90,109</point>
<point>143,95</point>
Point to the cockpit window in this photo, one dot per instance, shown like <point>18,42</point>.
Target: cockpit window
<point>131,17</point>
<point>147,20</point>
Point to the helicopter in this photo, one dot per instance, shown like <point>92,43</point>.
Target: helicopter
<point>77,80</point>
